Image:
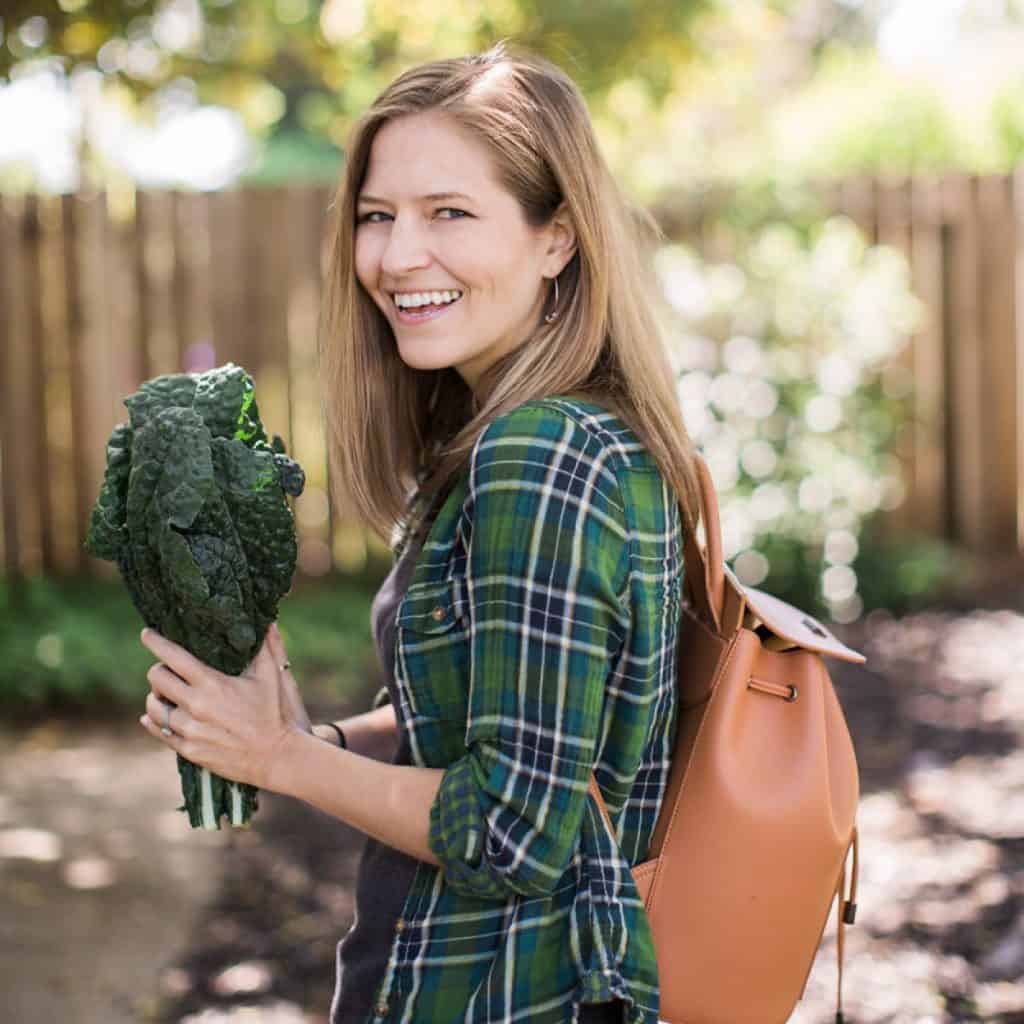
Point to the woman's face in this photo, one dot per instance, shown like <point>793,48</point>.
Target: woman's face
<point>413,237</point>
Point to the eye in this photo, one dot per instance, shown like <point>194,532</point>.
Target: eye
<point>365,218</point>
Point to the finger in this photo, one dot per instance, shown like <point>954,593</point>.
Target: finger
<point>269,649</point>
<point>263,662</point>
<point>174,741</point>
<point>166,683</point>
<point>157,711</point>
<point>182,723</point>
<point>189,667</point>
<point>277,644</point>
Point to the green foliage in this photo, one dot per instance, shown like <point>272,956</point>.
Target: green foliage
<point>911,131</point>
<point>790,390</point>
<point>856,115</point>
<point>311,67</point>
<point>903,575</point>
<point>73,645</point>
<point>1008,123</point>
<point>294,158</point>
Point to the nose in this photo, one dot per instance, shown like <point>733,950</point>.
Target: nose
<point>406,248</point>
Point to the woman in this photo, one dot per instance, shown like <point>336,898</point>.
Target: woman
<point>488,337</point>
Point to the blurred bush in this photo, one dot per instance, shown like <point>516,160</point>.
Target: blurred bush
<point>72,644</point>
<point>789,386</point>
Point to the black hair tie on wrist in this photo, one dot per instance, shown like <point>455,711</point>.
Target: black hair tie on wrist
<point>341,735</point>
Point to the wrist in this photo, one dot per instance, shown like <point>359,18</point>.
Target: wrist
<point>280,766</point>
<point>330,733</point>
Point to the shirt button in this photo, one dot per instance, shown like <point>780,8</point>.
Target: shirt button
<point>399,925</point>
<point>438,613</point>
<point>381,1008</point>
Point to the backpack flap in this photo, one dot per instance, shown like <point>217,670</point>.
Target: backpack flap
<point>796,627</point>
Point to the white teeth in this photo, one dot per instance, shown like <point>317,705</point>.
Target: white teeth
<point>413,299</point>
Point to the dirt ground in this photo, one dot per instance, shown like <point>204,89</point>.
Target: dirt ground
<point>113,910</point>
<point>104,887</point>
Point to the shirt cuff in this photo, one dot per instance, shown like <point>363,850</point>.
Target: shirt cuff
<point>458,837</point>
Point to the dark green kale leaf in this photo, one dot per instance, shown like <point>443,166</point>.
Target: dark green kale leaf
<point>107,530</point>
<point>193,510</point>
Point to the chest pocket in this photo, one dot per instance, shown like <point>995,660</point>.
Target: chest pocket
<point>432,651</point>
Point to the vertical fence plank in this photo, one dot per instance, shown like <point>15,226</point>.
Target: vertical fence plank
<point>828,192</point>
<point>192,280</point>
<point>267,226</point>
<point>57,382</point>
<point>253,239</point>
<point>857,201</point>
<point>19,553</point>
<point>35,421</point>
<point>163,315</point>
<point>315,556</point>
<point>929,484</point>
<point>248,302</point>
<point>8,505</point>
<point>74,321</point>
<point>1002,465</point>
<point>230,320</point>
<point>181,328</point>
<point>1018,197</point>
<point>101,407</point>
<point>140,281</point>
<point>125,352</point>
<point>892,228</point>
<point>22,445</point>
<point>964,383</point>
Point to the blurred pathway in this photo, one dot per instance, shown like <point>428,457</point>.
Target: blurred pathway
<point>113,910</point>
<point>938,724</point>
<point>100,879</point>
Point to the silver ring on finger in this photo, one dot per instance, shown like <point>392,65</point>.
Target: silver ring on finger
<point>166,727</point>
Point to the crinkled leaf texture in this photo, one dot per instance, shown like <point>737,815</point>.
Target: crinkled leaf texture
<point>193,511</point>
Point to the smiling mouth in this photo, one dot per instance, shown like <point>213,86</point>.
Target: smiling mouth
<point>415,314</point>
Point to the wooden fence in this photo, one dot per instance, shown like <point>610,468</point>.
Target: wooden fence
<point>964,455</point>
<point>100,291</point>
<point>104,290</point>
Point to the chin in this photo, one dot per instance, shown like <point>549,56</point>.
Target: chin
<point>422,360</point>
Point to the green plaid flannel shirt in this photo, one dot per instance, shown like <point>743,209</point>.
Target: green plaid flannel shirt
<point>535,643</point>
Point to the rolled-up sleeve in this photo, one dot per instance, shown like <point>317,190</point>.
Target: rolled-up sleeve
<point>547,570</point>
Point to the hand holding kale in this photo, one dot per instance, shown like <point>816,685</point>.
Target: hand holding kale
<point>193,512</point>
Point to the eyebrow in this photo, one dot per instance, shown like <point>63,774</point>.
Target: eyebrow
<point>364,198</point>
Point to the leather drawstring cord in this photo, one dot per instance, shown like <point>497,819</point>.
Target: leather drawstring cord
<point>846,913</point>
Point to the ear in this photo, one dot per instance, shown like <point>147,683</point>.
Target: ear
<point>561,241</point>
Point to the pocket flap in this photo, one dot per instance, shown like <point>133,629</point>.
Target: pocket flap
<point>430,607</point>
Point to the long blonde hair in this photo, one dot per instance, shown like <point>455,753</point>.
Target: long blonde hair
<point>394,431</point>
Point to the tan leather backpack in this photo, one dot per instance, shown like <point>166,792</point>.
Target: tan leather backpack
<point>753,835</point>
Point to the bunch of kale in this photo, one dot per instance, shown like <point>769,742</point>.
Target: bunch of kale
<point>193,511</point>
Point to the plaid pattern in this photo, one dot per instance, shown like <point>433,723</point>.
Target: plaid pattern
<point>536,642</point>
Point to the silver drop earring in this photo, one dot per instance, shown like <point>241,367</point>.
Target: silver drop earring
<point>553,315</point>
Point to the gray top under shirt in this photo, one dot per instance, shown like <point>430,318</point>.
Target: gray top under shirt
<point>385,873</point>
